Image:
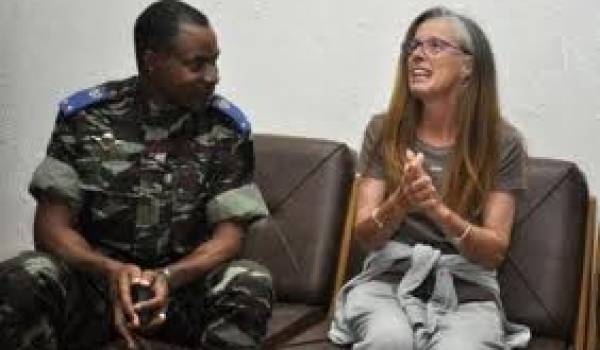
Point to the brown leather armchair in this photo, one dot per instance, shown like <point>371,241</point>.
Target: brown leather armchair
<point>307,186</point>
<point>546,280</point>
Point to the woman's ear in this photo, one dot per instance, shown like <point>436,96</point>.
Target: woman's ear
<point>467,68</point>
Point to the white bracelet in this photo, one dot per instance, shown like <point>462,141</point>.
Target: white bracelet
<point>458,240</point>
<point>377,222</point>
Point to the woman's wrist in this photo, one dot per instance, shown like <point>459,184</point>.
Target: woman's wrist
<point>441,214</point>
<point>456,228</point>
<point>375,217</point>
<point>457,241</point>
<point>389,212</point>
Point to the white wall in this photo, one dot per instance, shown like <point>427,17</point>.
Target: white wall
<point>311,67</point>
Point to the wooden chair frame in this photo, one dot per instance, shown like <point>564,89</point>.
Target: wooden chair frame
<point>586,329</point>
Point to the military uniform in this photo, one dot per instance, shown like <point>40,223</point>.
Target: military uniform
<point>146,182</point>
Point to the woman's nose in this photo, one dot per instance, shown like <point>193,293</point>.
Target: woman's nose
<point>417,54</point>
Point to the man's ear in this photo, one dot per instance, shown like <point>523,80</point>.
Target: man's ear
<point>151,61</point>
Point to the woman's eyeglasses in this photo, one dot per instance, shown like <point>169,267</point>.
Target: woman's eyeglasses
<point>432,46</point>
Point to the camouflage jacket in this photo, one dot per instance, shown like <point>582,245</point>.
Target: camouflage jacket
<point>148,181</point>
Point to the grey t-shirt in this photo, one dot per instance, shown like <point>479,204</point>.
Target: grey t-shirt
<point>417,228</point>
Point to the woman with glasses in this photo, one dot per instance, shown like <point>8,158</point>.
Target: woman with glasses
<point>436,201</point>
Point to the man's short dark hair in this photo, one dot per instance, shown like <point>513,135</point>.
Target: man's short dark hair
<point>159,23</point>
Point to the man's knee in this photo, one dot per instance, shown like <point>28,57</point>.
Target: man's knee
<point>34,262</point>
<point>243,296</point>
<point>223,334</point>
<point>31,282</point>
<point>246,277</point>
<point>28,269</point>
<point>24,281</point>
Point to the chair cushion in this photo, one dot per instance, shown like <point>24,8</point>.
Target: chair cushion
<point>539,343</point>
<point>288,320</point>
<point>314,335</point>
<point>143,344</point>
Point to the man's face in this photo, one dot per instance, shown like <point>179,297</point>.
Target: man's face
<point>186,74</point>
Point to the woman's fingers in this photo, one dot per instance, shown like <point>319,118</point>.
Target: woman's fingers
<point>419,191</point>
<point>413,167</point>
<point>418,186</point>
<point>422,182</point>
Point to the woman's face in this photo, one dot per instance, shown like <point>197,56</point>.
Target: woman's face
<point>437,65</point>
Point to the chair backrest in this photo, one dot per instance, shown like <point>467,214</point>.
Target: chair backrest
<point>541,276</point>
<point>306,184</point>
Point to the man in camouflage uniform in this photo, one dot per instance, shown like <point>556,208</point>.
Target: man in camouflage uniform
<point>147,181</point>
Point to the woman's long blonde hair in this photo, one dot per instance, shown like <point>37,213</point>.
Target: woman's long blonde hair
<point>470,172</point>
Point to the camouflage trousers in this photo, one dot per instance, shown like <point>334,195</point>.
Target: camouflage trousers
<point>47,305</point>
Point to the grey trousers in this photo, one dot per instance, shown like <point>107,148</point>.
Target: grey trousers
<point>375,315</point>
<point>47,305</point>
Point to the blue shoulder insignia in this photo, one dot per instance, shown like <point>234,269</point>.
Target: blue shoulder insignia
<point>236,115</point>
<point>82,99</point>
